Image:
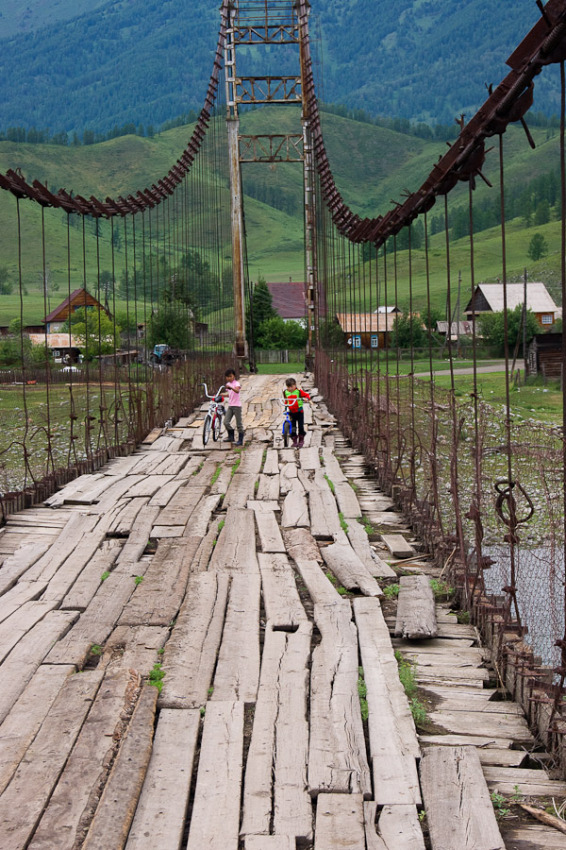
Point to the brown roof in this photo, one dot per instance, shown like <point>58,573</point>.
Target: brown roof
<point>366,322</point>
<point>288,299</point>
<point>80,297</point>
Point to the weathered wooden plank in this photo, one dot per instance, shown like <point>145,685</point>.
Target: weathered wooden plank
<point>400,828</point>
<point>263,505</point>
<point>85,549</point>
<point>123,521</point>
<point>191,651</point>
<point>358,537</point>
<point>235,550</point>
<point>348,569</point>
<point>88,582</point>
<point>166,493</point>
<point>78,526</point>
<point>348,504</point>
<point>309,458</point>
<point>158,597</point>
<point>301,545</point>
<point>86,769</point>
<point>206,548</point>
<point>325,522</point>
<point>22,593</point>
<point>332,466</point>
<point>220,486</point>
<point>23,801</point>
<point>276,767</point>
<point>216,809</point>
<point>287,477</point>
<point>241,489</point>
<point>164,799</point>
<point>483,724</point>
<point>533,836</point>
<point>340,822</point>
<point>25,658</point>
<point>372,626</point>
<point>17,564</point>
<point>270,842</point>
<point>530,783</point>
<point>373,840</point>
<point>458,805</point>
<point>18,624</point>
<point>201,516</point>
<point>271,465</point>
<point>268,489</point>
<point>252,460</point>
<point>295,508</point>
<point>398,546</point>
<point>416,613</point>
<point>320,588</point>
<point>136,647</point>
<point>59,497</point>
<point>237,671</point>
<point>268,530</point>
<point>115,811</point>
<point>96,623</point>
<point>281,600</point>
<point>337,752</point>
<point>24,721</point>
<point>393,740</point>
<point>178,511</point>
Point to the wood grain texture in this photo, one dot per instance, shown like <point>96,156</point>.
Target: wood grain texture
<point>416,612</point>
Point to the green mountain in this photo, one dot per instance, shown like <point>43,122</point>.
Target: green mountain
<point>71,65</point>
<point>372,165</point>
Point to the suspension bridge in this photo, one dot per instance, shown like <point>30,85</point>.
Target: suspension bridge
<point>357,643</point>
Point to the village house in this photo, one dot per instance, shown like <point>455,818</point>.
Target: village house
<point>77,300</point>
<point>288,300</point>
<point>366,330</point>
<point>488,298</point>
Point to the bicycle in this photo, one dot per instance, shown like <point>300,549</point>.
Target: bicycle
<point>288,424</point>
<point>213,419</point>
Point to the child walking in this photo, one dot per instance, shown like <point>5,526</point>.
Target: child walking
<point>294,398</point>
<point>234,408</point>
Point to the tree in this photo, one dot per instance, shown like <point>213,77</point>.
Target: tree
<point>492,328</point>
<point>6,285</point>
<point>538,247</point>
<point>95,331</point>
<point>408,332</point>
<point>261,308</point>
<point>275,333</point>
<point>171,325</point>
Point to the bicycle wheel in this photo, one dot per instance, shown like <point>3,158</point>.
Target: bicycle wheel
<point>206,428</point>
<point>216,427</point>
<point>286,432</point>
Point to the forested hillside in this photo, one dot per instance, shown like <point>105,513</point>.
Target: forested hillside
<point>72,66</point>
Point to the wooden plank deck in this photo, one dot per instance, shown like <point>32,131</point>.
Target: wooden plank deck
<point>243,586</point>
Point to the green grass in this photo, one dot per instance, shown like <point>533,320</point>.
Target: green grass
<point>156,675</point>
<point>362,694</point>
<point>280,368</point>
<point>391,591</point>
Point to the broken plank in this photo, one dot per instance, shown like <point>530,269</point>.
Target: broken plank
<point>373,840</point>
<point>268,489</point>
<point>309,458</point>
<point>216,810</point>
<point>241,489</point>
<point>191,651</point>
<point>340,822</point>
<point>115,811</point>
<point>295,509</point>
<point>337,752</point>
<point>301,545</point>
<point>483,724</point>
<point>123,521</point>
<point>357,535</point>
<point>164,798</point>
<point>458,806</point>
<point>416,613</point>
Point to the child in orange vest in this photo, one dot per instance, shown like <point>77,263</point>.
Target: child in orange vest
<point>294,397</point>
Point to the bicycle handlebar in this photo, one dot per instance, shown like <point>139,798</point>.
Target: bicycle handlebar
<point>213,396</point>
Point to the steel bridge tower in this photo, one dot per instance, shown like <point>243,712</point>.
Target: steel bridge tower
<point>255,23</point>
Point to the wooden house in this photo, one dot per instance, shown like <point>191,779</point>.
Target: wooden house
<point>366,330</point>
<point>545,355</point>
<point>288,300</point>
<point>488,298</point>
<point>77,300</point>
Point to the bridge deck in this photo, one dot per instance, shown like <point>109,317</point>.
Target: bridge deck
<point>245,587</point>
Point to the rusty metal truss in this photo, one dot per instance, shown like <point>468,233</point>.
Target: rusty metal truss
<point>265,22</point>
<point>275,148</point>
<point>268,90</point>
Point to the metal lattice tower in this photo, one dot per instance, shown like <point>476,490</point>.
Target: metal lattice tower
<point>267,22</point>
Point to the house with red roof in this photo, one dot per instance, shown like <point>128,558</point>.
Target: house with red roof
<point>77,300</point>
<point>288,300</point>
